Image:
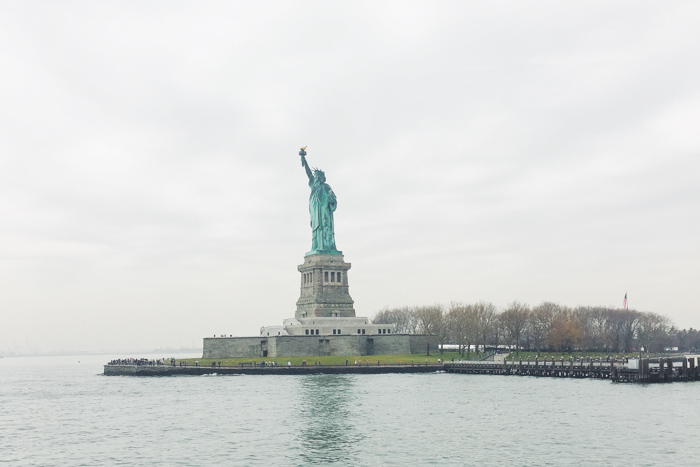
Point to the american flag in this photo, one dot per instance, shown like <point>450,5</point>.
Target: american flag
<point>624,302</point>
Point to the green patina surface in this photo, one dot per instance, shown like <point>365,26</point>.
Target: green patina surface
<point>322,205</point>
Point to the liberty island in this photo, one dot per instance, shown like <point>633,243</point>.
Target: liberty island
<point>325,325</point>
<point>325,322</point>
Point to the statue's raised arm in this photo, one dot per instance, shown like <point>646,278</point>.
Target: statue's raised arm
<point>305,164</point>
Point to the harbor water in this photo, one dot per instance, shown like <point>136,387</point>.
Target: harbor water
<point>61,411</point>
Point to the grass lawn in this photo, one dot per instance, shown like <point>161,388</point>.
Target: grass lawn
<point>331,360</point>
<point>390,359</point>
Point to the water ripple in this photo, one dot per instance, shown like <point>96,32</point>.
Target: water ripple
<point>66,414</point>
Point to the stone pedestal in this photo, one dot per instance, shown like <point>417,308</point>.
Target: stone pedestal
<point>324,288</point>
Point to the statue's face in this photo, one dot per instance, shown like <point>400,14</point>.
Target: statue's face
<point>320,178</point>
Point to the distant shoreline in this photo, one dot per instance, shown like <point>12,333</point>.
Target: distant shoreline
<point>161,352</point>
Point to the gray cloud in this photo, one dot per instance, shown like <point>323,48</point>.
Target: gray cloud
<point>151,193</point>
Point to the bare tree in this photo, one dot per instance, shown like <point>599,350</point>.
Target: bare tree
<point>653,331</point>
<point>582,317</point>
<point>688,339</point>
<point>461,323</point>
<point>566,331</point>
<point>431,320</point>
<point>485,314</point>
<point>629,323</point>
<point>599,317</point>
<point>540,323</point>
<point>404,318</point>
<point>514,320</point>
<point>547,325</point>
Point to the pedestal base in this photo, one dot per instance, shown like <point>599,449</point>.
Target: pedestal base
<point>324,287</point>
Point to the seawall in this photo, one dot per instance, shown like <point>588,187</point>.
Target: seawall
<point>659,370</point>
<point>168,370</point>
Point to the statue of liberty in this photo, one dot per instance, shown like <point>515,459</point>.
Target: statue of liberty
<point>322,204</point>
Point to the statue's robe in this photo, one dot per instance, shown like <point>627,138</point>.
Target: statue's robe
<point>322,203</point>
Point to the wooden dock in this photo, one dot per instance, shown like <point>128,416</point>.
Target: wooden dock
<point>646,370</point>
<point>658,370</point>
<point>546,368</point>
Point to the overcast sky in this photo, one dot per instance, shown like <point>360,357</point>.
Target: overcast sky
<point>151,191</point>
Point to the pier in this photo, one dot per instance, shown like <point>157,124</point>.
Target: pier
<point>645,370</point>
<point>546,368</point>
<point>658,370</point>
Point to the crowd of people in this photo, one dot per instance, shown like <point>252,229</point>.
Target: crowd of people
<point>136,361</point>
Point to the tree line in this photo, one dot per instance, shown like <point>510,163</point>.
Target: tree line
<point>547,326</point>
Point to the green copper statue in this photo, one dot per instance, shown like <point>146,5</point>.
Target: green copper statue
<point>322,204</point>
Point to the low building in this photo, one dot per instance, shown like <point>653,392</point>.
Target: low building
<point>324,323</point>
